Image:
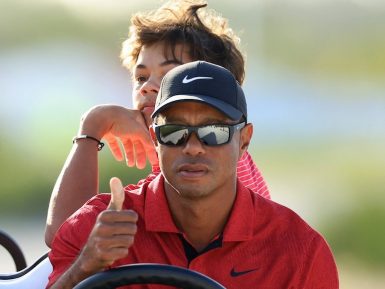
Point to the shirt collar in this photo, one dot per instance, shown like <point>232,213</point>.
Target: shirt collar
<point>155,169</point>
<point>240,224</point>
<point>157,213</point>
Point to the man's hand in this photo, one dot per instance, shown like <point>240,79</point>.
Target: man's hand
<point>112,235</point>
<point>117,124</point>
<point>110,239</point>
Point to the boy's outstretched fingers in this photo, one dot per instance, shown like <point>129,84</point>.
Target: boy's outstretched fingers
<point>117,195</point>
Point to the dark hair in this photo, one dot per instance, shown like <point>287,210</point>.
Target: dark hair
<point>204,32</point>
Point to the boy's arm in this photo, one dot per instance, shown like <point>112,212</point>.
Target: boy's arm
<point>78,180</point>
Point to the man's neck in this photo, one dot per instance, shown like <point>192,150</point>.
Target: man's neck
<point>201,220</point>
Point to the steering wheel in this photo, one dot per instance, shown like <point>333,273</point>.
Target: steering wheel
<point>148,273</point>
<point>13,248</point>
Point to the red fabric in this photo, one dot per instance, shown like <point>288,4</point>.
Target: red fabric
<point>251,177</point>
<point>267,239</point>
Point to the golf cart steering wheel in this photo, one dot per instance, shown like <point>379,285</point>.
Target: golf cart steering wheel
<point>14,250</point>
<point>146,273</point>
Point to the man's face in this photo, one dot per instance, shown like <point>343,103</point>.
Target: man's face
<point>148,72</point>
<point>195,170</point>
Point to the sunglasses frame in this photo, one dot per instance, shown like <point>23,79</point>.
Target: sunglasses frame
<point>191,129</point>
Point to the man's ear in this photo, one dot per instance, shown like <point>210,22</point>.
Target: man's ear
<point>245,138</point>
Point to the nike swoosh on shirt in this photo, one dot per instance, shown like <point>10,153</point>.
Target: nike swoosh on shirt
<point>188,80</point>
<point>234,273</point>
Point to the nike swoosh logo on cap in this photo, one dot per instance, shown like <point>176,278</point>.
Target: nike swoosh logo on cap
<point>188,80</point>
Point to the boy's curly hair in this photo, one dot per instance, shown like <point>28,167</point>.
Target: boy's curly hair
<point>205,33</point>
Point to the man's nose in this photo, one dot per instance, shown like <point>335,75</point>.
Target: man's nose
<point>193,146</point>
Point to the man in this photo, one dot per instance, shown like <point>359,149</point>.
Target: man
<point>196,213</point>
<point>159,40</point>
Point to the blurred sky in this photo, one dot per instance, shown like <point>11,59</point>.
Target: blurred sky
<point>315,85</point>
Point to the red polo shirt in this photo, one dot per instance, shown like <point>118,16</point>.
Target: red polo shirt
<point>263,245</point>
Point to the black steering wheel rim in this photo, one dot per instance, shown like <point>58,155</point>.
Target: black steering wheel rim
<point>14,250</point>
<point>148,273</point>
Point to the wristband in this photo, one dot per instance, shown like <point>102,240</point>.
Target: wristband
<point>84,136</point>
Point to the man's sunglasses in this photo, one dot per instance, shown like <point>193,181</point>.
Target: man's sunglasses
<point>210,135</point>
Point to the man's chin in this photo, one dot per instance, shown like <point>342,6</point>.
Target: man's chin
<point>192,192</point>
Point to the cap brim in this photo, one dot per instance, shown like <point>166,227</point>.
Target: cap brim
<point>227,109</point>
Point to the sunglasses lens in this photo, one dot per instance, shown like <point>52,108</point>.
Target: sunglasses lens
<point>173,134</point>
<point>210,135</point>
<point>214,135</point>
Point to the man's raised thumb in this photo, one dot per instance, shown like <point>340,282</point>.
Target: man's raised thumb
<point>117,195</point>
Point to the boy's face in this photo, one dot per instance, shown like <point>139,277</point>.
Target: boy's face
<point>148,72</point>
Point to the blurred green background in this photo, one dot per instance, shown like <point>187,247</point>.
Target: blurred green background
<point>315,84</point>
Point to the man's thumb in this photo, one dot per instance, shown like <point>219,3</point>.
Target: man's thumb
<point>117,195</point>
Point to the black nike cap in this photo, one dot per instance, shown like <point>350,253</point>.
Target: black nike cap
<point>204,82</point>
